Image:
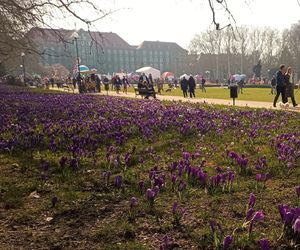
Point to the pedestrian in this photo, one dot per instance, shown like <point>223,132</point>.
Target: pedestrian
<point>273,85</point>
<point>98,84</point>
<point>150,79</point>
<point>143,78</point>
<point>175,81</point>
<point>289,81</point>
<point>113,83</point>
<point>192,86</point>
<point>184,86</point>
<point>106,84</point>
<point>52,82</point>
<point>74,82</point>
<point>118,84</point>
<point>125,84</point>
<point>241,85</point>
<point>160,85</point>
<point>280,85</point>
<point>203,81</point>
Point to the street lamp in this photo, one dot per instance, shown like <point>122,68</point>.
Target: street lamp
<point>75,36</point>
<point>23,66</point>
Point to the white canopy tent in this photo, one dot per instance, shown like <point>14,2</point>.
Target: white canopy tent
<point>149,70</point>
<point>185,75</point>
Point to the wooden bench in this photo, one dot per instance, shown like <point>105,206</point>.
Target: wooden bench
<point>143,92</point>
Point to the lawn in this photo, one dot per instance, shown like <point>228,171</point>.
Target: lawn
<point>101,172</point>
<point>249,94</point>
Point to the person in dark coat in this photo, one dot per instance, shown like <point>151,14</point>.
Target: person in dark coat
<point>290,85</point>
<point>184,86</point>
<point>192,86</point>
<point>106,84</point>
<point>150,79</point>
<point>280,85</point>
<point>203,81</point>
<point>125,84</point>
<point>143,78</point>
<point>98,84</point>
<point>118,84</point>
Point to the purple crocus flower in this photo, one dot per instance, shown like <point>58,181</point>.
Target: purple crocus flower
<point>264,244</point>
<point>174,207</point>
<point>259,215</point>
<point>249,214</point>
<point>152,174</point>
<point>252,200</point>
<point>231,176</point>
<point>298,191</point>
<point>259,177</point>
<point>133,202</point>
<point>62,161</point>
<point>186,155</point>
<point>156,189</point>
<point>182,186</point>
<point>118,181</point>
<point>174,178</point>
<point>227,241</point>
<point>141,185</point>
<point>54,201</point>
<point>74,164</point>
<point>150,194</point>
<point>296,226</point>
<point>165,245</point>
<point>106,176</point>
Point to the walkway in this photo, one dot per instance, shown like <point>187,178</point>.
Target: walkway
<point>239,103</point>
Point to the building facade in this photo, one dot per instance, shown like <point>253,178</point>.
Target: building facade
<point>108,52</point>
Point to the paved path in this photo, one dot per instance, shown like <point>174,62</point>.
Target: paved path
<point>240,103</point>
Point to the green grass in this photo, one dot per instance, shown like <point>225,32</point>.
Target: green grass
<point>249,94</point>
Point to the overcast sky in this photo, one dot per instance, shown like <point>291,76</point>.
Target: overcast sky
<point>179,20</point>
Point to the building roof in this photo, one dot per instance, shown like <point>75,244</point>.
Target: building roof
<point>151,45</point>
<point>104,39</point>
<point>107,40</point>
<point>110,40</point>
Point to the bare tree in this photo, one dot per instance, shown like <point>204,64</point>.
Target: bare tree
<point>17,17</point>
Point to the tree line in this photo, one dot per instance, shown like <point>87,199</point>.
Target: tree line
<point>228,51</point>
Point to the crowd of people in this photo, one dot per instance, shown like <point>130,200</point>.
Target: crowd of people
<point>282,84</point>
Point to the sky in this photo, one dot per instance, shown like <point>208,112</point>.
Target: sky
<point>179,20</point>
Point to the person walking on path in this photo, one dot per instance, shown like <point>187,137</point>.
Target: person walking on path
<point>98,84</point>
<point>160,85</point>
<point>192,86</point>
<point>184,87</point>
<point>280,85</point>
<point>106,84</point>
<point>125,84</point>
<point>203,81</point>
<point>288,78</point>
<point>118,84</point>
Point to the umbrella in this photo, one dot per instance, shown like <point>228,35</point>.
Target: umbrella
<point>185,75</point>
<point>168,75</point>
<point>198,77</point>
<point>149,70</point>
<point>133,76</point>
<point>83,68</point>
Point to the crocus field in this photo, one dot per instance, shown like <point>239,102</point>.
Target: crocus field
<point>100,172</point>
